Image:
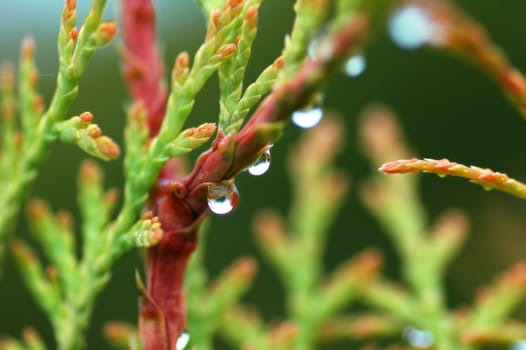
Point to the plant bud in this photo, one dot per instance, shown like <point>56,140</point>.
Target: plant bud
<point>86,117</point>
<point>180,69</point>
<point>74,33</point>
<point>108,147</point>
<point>28,49</point>
<point>227,50</point>
<point>252,17</point>
<point>106,32</point>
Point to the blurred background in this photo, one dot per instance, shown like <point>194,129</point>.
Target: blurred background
<point>447,109</point>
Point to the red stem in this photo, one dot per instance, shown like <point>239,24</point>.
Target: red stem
<point>162,315</point>
<point>143,67</point>
<point>166,262</point>
<point>181,203</point>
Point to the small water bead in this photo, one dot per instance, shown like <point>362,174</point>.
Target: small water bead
<point>355,65</point>
<point>487,188</point>
<point>319,47</point>
<point>418,338</point>
<point>182,341</point>
<point>410,27</point>
<point>261,165</point>
<point>223,198</point>
<point>312,49</point>
<point>308,117</point>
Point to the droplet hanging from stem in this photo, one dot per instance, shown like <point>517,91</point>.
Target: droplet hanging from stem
<point>223,198</point>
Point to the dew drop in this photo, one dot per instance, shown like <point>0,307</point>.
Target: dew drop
<point>410,27</point>
<point>308,117</point>
<point>313,47</point>
<point>319,47</point>
<point>418,338</point>
<point>355,65</point>
<point>223,198</point>
<point>442,175</point>
<point>182,341</point>
<point>261,165</point>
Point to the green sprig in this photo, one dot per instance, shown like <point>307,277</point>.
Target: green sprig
<point>29,107</point>
<point>190,139</point>
<point>295,250</point>
<point>96,207</point>
<point>54,233</point>
<point>209,6</point>
<point>31,341</point>
<point>310,15</point>
<point>426,252</point>
<point>499,299</point>
<point>39,126</point>
<point>186,84</point>
<point>87,136</point>
<point>207,305</point>
<point>68,291</point>
<point>10,148</point>
<point>255,91</point>
<point>232,71</point>
<point>147,232</point>
<point>135,137</point>
<point>45,291</point>
<point>404,219</point>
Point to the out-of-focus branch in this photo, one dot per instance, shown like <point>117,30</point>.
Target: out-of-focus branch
<point>456,32</point>
<point>485,177</point>
<point>142,63</point>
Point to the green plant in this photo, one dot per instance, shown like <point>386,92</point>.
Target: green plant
<point>164,205</point>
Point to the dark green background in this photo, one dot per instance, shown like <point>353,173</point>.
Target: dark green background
<point>448,109</point>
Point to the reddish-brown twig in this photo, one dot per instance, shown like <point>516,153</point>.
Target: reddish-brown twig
<point>456,32</point>
<point>487,178</point>
<point>179,203</point>
<point>143,67</point>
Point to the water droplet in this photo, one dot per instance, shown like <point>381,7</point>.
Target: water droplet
<point>441,175</point>
<point>309,116</point>
<point>410,27</point>
<point>418,338</point>
<point>182,341</point>
<point>355,65</point>
<point>223,198</point>
<point>319,47</point>
<point>261,165</point>
<point>313,47</point>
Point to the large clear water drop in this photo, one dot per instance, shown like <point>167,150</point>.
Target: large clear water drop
<point>182,341</point>
<point>308,117</point>
<point>222,198</point>
<point>418,338</point>
<point>410,27</point>
<point>355,65</point>
<point>261,165</point>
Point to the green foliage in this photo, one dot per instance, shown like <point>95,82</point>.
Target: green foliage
<point>22,157</point>
<point>295,251</point>
<point>66,281</point>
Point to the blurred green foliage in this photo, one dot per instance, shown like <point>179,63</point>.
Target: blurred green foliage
<point>448,109</point>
